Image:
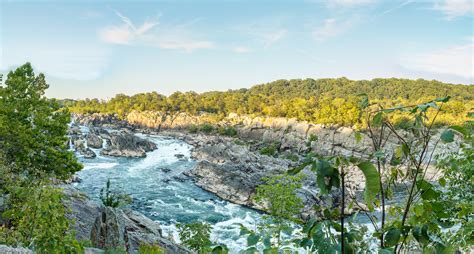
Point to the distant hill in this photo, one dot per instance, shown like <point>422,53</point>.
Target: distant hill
<point>328,101</point>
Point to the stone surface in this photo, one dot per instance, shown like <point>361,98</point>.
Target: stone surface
<point>127,145</point>
<point>125,229</point>
<point>4,249</point>
<point>94,140</point>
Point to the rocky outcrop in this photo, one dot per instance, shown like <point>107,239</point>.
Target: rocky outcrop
<point>94,140</point>
<point>112,229</point>
<point>82,211</point>
<point>116,229</point>
<point>127,145</point>
<point>96,119</point>
<point>234,171</point>
<point>79,145</point>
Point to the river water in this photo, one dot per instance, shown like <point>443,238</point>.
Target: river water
<point>161,192</point>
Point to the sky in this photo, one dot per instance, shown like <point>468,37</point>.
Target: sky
<point>101,48</point>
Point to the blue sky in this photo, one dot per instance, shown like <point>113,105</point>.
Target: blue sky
<point>101,48</point>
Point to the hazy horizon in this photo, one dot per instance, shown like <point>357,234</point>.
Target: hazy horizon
<point>99,49</point>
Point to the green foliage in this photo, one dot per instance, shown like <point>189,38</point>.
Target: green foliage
<point>270,150</point>
<point>150,249</point>
<point>193,128</point>
<point>113,199</point>
<point>291,156</point>
<point>312,137</point>
<point>327,175</point>
<point>206,128</point>
<point>325,101</point>
<point>39,218</point>
<point>372,182</point>
<point>228,131</point>
<point>196,236</point>
<point>278,194</point>
<point>33,128</point>
<point>33,151</point>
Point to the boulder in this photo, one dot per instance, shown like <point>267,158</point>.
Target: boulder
<point>116,229</point>
<point>126,144</point>
<point>93,140</point>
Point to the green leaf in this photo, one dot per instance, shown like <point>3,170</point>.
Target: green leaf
<point>386,251</point>
<point>405,149</point>
<point>372,182</point>
<point>377,119</point>
<point>447,136</point>
<point>270,251</point>
<point>252,239</point>
<point>460,129</point>
<point>219,249</point>
<point>251,250</point>
<point>442,182</point>
<point>430,194</point>
<point>443,99</point>
<point>392,237</point>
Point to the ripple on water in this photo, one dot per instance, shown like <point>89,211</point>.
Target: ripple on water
<point>157,195</point>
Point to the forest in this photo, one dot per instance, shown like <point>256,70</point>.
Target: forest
<point>325,101</point>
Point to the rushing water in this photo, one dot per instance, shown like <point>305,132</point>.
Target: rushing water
<point>160,191</point>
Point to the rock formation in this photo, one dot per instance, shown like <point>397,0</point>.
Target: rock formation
<point>127,145</point>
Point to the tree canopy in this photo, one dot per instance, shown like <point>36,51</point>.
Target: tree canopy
<point>326,101</point>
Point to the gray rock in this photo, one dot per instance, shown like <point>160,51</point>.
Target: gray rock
<point>82,211</point>
<point>125,144</point>
<point>93,140</point>
<point>4,249</point>
<point>87,153</point>
<point>125,229</point>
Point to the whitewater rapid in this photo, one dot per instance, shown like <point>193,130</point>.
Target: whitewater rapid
<point>161,192</point>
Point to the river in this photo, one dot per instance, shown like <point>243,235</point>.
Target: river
<point>160,191</point>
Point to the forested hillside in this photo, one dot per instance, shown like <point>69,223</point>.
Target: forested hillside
<point>326,101</point>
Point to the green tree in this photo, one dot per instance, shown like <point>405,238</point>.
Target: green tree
<point>196,236</point>
<point>33,151</point>
<point>33,128</point>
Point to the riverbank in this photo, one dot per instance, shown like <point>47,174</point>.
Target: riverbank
<point>232,167</point>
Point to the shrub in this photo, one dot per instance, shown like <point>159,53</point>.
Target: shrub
<point>270,150</point>
<point>192,128</point>
<point>113,199</point>
<point>206,128</point>
<point>196,236</point>
<point>291,157</point>
<point>149,249</point>
<point>228,131</point>
<point>39,219</point>
<point>312,137</point>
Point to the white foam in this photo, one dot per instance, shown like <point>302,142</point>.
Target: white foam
<point>100,165</point>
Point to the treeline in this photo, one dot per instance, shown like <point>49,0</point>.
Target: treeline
<point>326,101</point>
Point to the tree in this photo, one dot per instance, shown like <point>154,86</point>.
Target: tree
<point>196,236</point>
<point>33,128</point>
<point>33,151</point>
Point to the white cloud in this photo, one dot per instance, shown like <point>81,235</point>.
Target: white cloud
<point>150,33</point>
<point>348,3</point>
<point>455,8</point>
<point>241,49</point>
<point>65,61</point>
<point>454,60</point>
<point>272,37</point>
<point>331,28</point>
